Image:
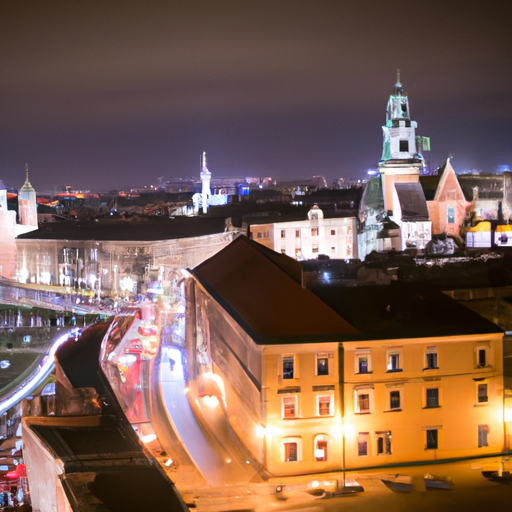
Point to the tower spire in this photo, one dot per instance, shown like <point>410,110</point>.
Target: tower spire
<point>398,85</point>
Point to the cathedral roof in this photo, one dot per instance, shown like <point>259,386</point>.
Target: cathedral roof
<point>412,201</point>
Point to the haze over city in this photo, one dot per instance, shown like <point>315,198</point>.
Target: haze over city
<point>102,95</point>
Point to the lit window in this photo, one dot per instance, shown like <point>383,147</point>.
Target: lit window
<point>393,361</point>
<point>314,231</point>
<point>363,362</point>
<point>363,439</point>
<point>432,439</point>
<point>383,442</point>
<point>363,400</point>
<point>322,364</point>
<point>289,407</point>
<point>288,367</point>
<point>432,397</point>
<point>483,355</point>
<point>292,449</point>
<point>450,214</point>
<point>482,394</point>
<point>483,431</point>
<point>324,405</point>
<point>395,399</point>
<point>321,442</point>
<point>431,358</point>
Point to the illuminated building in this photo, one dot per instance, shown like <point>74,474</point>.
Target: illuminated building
<point>313,380</point>
<point>27,204</point>
<point>10,229</point>
<point>393,211</point>
<point>448,207</point>
<point>116,257</point>
<point>307,239</point>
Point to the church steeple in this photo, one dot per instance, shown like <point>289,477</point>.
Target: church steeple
<point>399,136</point>
<point>27,203</point>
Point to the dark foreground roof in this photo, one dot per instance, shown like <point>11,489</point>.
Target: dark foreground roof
<point>261,290</point>
<point>403,311</point>
<point>145,229</point>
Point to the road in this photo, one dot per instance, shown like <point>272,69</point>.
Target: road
<point>213,459</point>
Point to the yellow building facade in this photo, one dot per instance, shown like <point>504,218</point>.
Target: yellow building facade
<point>395,401</point>
<point>405,377</point>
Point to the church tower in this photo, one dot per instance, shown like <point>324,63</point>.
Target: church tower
<point>27,204</point>
<point>205,179</point>
<point>401,160</point>
<point>393,212</point>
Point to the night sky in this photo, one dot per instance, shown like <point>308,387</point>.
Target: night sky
<point>103,95</point>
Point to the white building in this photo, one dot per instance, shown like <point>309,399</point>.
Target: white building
<point>307,239</point>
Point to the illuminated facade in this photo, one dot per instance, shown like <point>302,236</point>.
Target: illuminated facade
<point>10,229</point>
<point>27,204</point>
<point>307,239</point>
<point>449,207</point>
<point>116,267</point>
<point>397,197</point>
<point>378,383</point>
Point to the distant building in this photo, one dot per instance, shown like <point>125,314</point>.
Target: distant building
<point>10,229</point>
<point>27,204</point>
<point>311,238</point>
<point>395,198</point>
<point>448,206</point>
<point>114,256</point>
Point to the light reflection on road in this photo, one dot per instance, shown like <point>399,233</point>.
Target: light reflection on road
<point>213,461</point>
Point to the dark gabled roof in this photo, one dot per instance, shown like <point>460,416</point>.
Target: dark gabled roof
<point>261,290</point>
<point>403,311</point>
<point>412,201</point>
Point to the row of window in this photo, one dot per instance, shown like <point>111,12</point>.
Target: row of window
<point>363,362</point>
<point>316,249</point>
<point>363,401</point>
<point>394,359</point>
<point>292,446</point>
<point>290,410</point>
<point>315,232</point>
<point>322,365</point>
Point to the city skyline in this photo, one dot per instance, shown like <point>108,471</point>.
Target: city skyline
<point>116,95</point>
